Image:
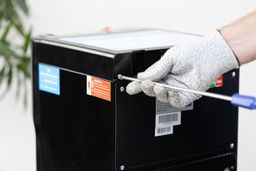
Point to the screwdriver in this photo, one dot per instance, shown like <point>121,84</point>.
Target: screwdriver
<point>236,99</point>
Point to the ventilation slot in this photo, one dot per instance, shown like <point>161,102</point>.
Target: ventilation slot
<point>215,163</point>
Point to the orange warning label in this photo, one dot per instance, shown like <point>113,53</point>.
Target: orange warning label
<point>98,88</point>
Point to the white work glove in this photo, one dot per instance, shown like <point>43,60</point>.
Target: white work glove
<point>192,65</point>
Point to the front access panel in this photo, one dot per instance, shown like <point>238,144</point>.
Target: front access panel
<point>85,121</point>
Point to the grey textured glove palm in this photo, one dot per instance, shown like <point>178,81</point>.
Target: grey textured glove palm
<point>193,65</point>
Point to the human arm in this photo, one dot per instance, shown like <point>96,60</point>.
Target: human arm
<point>197,64</point>
<point>241,37</point>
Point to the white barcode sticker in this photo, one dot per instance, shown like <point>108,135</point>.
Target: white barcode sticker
<point>167,117</point>
<point>166,122</point>
<point>164,131</point>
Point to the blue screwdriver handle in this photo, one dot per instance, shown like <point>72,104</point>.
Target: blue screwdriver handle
<point>248,102</point>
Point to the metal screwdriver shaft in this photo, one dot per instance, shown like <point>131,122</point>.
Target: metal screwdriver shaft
<point>212,95</point>
<point>238,100</point>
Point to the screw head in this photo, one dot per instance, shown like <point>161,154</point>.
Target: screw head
<point>232,168</point>
<point>233,74</point>
<point>227,169</point>
<point>122,167</point>
<point>232,146</point>
<point>122,89</point>
<point>119,76</point>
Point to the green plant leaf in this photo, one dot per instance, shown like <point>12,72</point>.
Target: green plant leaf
<point>6,32</point>
<point>9,11</point>
<point>22,4</point>
<point>2,74</point>
<point>6,51</point>
<point>9,78</point>
<point>18,75</point>
<point>18,25</point>
<point>23,66</point>
<point>15,55</point>
<point>27,40</point>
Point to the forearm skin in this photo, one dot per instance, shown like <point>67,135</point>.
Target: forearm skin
<point>241,37</point>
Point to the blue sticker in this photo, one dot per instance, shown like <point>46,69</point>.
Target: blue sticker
<point>49,79</point>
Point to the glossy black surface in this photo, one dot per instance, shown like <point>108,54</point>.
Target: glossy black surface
<point>206,131</point>
<point>77,132</point>
<point>90,64</point>
<point>74,131</point>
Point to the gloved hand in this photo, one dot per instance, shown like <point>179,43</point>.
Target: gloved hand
<point>193,65</point>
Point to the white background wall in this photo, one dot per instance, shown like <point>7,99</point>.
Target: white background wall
<point>17,138</point>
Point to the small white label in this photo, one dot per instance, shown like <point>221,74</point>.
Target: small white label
<point>167,117</point>
<point>166,122</point>
<point>89,85</point>
<point>164,131</point>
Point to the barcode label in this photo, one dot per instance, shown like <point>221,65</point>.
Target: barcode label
<point>166,122</point>
<point>168,118</point>
<point>165,107</point>
<point>164,131</point>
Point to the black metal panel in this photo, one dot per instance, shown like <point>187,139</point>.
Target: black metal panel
<point>74,131</point>
<point>83,62</point>
<point>214,163</point>
<point>36,105</point>
<point>130,64</point>
<point>210,128</point>
<point>78,132</point>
